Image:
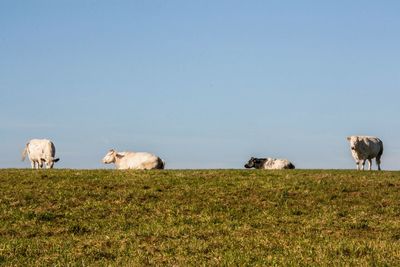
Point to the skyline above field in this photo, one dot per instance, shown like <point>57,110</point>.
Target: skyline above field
<point>201,84</point>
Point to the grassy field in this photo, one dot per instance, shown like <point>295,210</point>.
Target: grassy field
<point>199,218</point>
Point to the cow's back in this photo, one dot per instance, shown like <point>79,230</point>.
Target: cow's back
<point>37,148</point>
<point>138,160</point>
<point>278,164</point>
<point>370,147</point>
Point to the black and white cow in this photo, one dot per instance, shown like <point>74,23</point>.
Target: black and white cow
<point>269,163</point>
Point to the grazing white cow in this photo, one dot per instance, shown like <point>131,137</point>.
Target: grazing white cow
<point>133,160</point>
<point>269,163</point>
<point>366,148</point>
<point>40,151</point>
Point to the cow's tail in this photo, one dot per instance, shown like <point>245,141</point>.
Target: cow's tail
<point>161,164</point>
<point>24,152</point>
<point>380,151</point>
<point>291,166</point>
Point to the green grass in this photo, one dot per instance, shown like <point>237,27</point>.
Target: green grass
<point>199,218</point>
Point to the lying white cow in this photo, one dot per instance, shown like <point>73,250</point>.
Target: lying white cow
<point>366,148</point>
<point>133,160</point>
<point>40,151</point>
<point>269,163</point>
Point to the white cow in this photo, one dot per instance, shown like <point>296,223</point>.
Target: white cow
<point>269,163</point>
<point>366,148</point>
<point>40,151</point>
<point>133,160</point>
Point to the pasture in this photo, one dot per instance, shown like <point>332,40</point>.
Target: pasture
<point>199,217</point>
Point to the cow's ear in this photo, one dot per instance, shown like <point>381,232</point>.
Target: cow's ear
<point>348,138</point>
<point>56,160</point>
<point>119,155</point>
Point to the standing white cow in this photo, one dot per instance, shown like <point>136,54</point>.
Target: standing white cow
<point>366,148</point>
<point>40,151</point>
<point>133,160</point>
<point>269,163</point>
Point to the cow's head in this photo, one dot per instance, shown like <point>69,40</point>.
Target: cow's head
<point>110,156</point>
<point>50,162</point>
<point>354,142</point>
<point>251,163</point>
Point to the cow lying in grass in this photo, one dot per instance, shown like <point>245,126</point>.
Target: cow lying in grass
<point>133,160</point>
<point>269,164</point>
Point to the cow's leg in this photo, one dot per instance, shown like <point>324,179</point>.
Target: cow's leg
<point>369,164</point>
<point>358,165</point>
<point>40,164</point>
<point>378,162</point>
<point>363,164</point>
<point>33,164</point>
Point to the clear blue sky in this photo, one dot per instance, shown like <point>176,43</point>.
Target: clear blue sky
<point>202,84</point>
